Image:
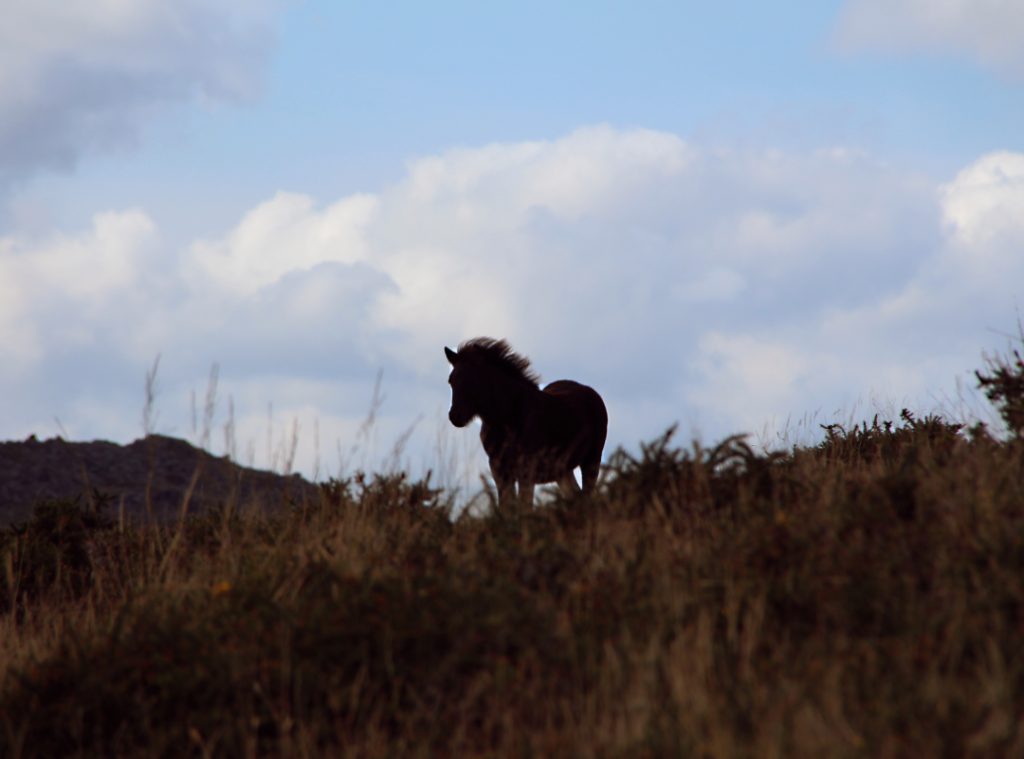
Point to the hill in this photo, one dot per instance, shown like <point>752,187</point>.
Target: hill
<point>148,479</point>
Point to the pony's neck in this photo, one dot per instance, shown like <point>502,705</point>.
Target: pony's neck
<point>508,396</point>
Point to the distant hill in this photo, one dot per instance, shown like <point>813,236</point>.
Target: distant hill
<point>148,478</point>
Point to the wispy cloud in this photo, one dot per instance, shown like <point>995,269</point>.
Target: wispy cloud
<point>78,76</point>
<point>988,31</point>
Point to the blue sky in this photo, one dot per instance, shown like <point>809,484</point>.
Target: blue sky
<point>741,216</point>
<point>348,95</point>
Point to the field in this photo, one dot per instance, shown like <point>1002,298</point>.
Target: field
<point>859,598</point>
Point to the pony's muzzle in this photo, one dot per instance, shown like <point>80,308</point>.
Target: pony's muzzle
<point>457,419</point>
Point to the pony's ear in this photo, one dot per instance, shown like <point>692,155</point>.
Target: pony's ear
<point>451,355</point>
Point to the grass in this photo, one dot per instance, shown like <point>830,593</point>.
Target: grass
<point>863,597</point>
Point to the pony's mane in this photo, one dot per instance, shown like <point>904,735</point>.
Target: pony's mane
<point>499,354</point>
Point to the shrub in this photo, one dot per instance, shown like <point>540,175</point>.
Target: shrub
<point>1003,384</point>
<point>50,553</point>
<point>888,442</point>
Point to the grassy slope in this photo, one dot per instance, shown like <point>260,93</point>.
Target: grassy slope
<point>864,598</point>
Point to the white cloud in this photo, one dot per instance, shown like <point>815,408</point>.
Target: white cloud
<point>54,287</point>
<point>723,288</point>
<point>283,235</point>
<point>983,203</point>
<point>990,31</point>
<point>77,75</point>
<point>910,344</point>
<point>754,377</point>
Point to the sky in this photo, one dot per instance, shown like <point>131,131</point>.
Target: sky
<point>737,216</point>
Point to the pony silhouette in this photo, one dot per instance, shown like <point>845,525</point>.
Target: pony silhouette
<point>531,436</point>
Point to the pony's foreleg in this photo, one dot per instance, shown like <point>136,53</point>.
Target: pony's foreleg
<point>526,493</point>
<point>506,490</point>
<point>505,484</point>
<point>589,471</point>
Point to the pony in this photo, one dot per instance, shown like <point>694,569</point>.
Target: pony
<point>531,436</point>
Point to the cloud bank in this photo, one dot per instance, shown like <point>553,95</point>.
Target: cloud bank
<point>727,289</point>
<point>989,31</point>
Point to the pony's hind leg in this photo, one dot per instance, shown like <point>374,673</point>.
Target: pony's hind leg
<point>568,485</point>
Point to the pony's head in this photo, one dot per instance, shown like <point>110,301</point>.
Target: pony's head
<point>475,366</point>
<point>465,391</point>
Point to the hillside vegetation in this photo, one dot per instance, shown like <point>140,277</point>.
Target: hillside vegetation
<point>861,598</point>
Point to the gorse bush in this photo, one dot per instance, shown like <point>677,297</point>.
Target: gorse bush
<point>862,597</point>
<point>888,441</point>
<point>50,554</point>
<point>1003,383</point>
<point>696,478</point>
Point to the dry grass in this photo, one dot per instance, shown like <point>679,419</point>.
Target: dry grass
<point>861,598</point>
